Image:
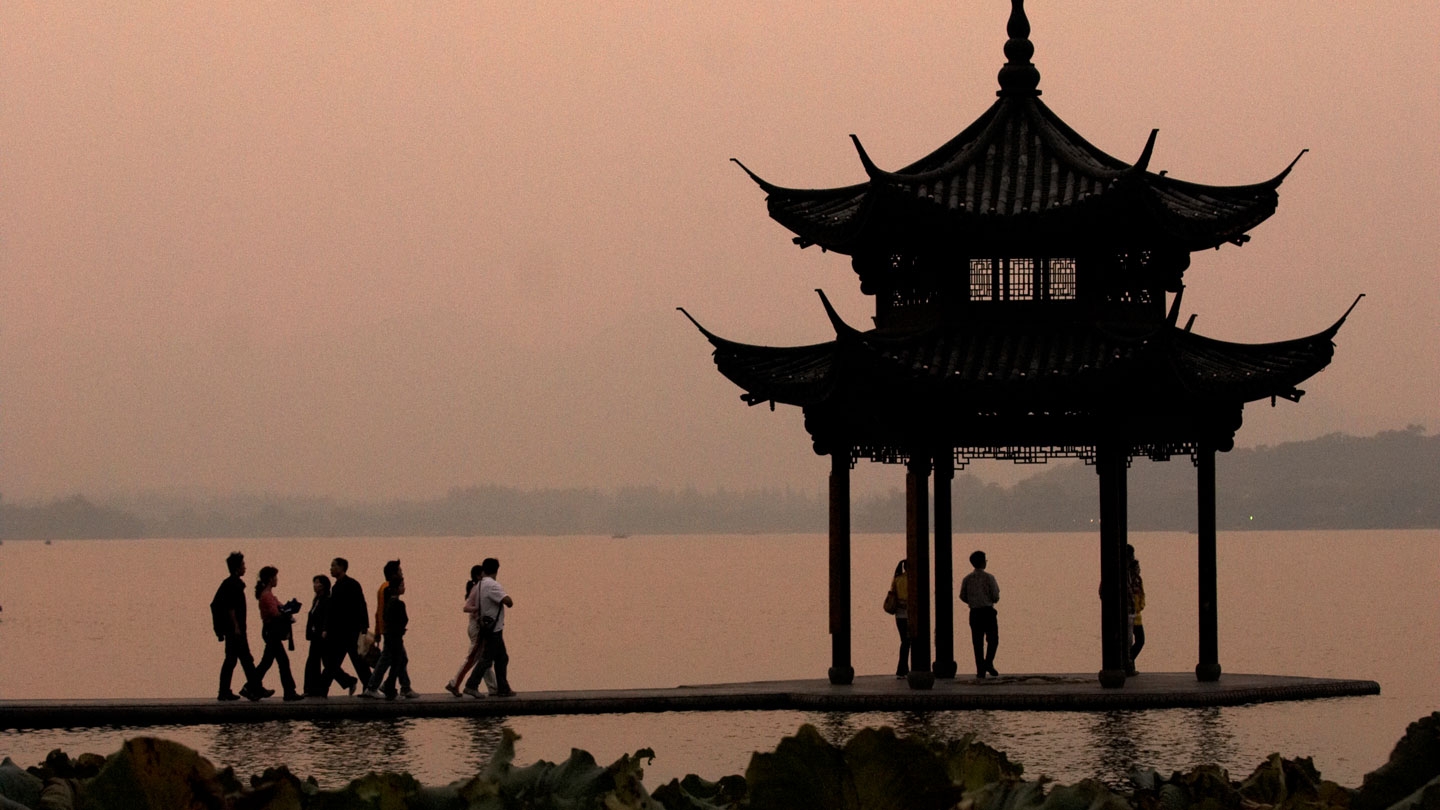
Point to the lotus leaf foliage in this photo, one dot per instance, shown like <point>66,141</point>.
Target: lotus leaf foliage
<point>876,769</point>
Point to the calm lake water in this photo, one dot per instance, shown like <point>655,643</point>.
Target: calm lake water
<point>93,619</point>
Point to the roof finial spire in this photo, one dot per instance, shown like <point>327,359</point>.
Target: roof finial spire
<point>1018,77</point>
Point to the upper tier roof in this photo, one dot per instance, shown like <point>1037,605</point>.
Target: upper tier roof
<point>1019,169</point>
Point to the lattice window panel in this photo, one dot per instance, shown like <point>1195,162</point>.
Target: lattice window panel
<point>1037,454</point>
<point>1019,279</point>
<point>1062,285</point>
<point>982,280</point>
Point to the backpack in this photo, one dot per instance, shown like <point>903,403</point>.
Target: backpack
<point>220,614</point>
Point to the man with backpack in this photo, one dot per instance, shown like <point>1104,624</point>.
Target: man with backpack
<point>227,615</point>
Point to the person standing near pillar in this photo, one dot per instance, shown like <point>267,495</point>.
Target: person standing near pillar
<point>1136,592</point>
<point>900,587</point>
<point>980,592</point>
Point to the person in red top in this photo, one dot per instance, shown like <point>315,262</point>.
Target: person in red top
<point>275,621</point>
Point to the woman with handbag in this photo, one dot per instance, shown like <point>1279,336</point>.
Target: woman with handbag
<point>275,630</point>
<point>896,598</point>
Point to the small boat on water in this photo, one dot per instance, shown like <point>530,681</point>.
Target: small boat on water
<point>618,536</point>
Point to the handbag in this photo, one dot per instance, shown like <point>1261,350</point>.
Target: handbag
<point>368,650</point>
<point>487,623</point>
<point>891,603</point>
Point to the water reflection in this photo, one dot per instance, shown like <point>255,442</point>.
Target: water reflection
<point>835,727</point>
<point>333,751</point>
<point>482,737</point>
<point>838,727</point>
<point>1214,734</point>
<point>1069,746</point>
<point>1113,735</point>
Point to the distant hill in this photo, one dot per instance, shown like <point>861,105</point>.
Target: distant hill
<point>1387,481</point>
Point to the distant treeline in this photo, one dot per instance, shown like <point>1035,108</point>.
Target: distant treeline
<point>1387,481</point>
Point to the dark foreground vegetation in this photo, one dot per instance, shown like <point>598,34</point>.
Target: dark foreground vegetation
<point>875,769</point>
<point>1387,481</point>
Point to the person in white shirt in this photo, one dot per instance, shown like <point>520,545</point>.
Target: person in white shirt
<point>493,601</point>
<point>980,591</point>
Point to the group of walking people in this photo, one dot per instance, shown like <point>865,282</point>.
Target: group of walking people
<point>980,592</point>
<point>338,627</point>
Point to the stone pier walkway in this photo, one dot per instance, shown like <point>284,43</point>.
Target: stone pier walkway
<point>1165,690</point>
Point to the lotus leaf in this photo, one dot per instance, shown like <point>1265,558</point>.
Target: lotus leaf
<point>152,774</point>
<point>1147,779</point>
<point>1208,787</point>
<point>277,795</point>
<point>1288,783</point>
<point>59,794</point>
<point>1088,794</point>
<point>875,771</point>
<point>18,785</point>
<point>1426,798</point>
<point>694,793</point>
<point>1008,794</point>
<point>973,765</point>
<point>578,782</point>
<point>445,797</point>
<point>1413,763</point>
<point>899,773</point>
<point>275,789</point>
<point>373,791</point>
<point>803,772</point>
<point>59,764</point>
<point>1173,797</point>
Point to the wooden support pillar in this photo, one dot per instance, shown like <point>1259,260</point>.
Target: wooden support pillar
<point>917,555</point>
<point>1209,667</point>
<point>944,566</point>
<point>1110,461</point>
<point>841,670</point>
<point>1123,515</point>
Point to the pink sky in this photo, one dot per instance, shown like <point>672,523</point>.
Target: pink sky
<point>380,249</point>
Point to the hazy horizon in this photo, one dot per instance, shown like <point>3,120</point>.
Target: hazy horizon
<point>384,251</point>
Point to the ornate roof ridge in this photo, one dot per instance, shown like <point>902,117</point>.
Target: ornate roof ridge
<point>1018,77</point>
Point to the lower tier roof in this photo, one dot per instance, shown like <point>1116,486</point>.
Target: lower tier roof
<point>1020,384</point>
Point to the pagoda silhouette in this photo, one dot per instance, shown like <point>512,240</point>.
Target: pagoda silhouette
<point>1020,278</point>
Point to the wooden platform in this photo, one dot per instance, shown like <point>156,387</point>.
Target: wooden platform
<point>870,693</point>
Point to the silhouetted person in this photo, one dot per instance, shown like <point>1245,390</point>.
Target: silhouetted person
<point>1136,592</point>
<point>900,586</point>
<point>392,654</point>
<point>315,685</point>
<point>389,574</point>
<point>477,639</point>
<point>228,612</point>
<point>493,601</point>
<point>275,624</point>
<point>980,591</point>
<point>345,620</point>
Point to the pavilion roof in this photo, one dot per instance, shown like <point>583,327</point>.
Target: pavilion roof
<point>1018,167</point>
<point>1077,366</point>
